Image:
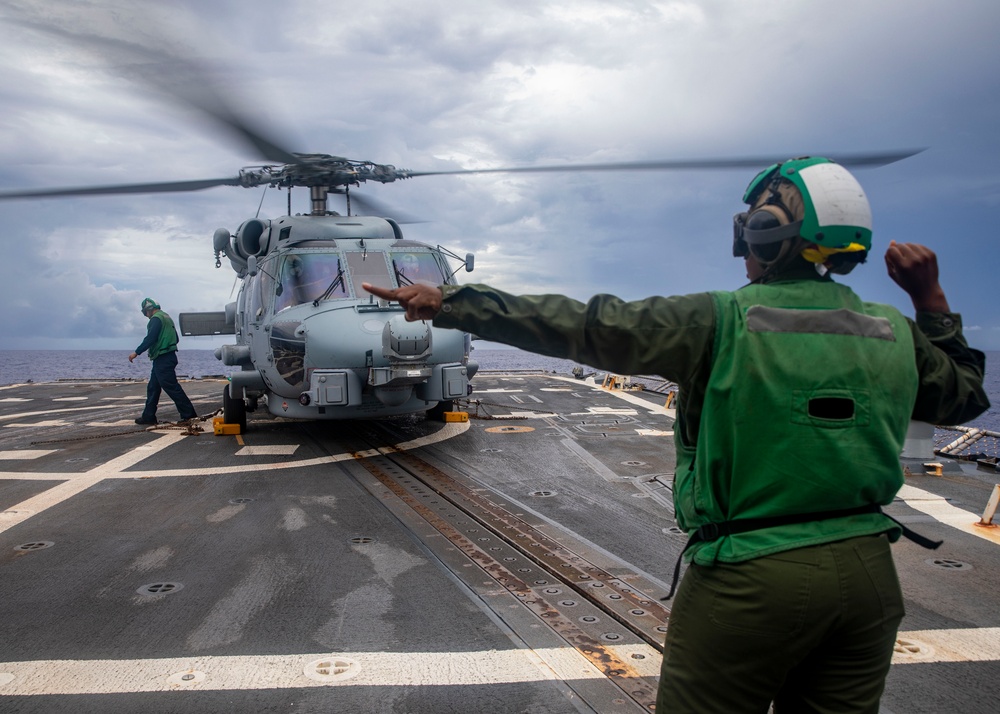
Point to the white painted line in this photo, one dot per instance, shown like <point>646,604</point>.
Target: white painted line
<point>79,483</point>
<point>25,454</point>
<point>33,425</point>
<point>10,400</point>
<point>979,644</point>
<point>448,431</point>
<point>71,399</point>
<point>653,432</point>
<point>626,396</point>
<point>276,450</point>
<point>258,672</point>
<point>22,415</point>
<point>939,508</point>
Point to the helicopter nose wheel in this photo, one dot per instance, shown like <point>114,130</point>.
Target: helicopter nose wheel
<point>234,411</point>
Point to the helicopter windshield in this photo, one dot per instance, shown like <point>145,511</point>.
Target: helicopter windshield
<point>413,268</point>
<point>305,277</point>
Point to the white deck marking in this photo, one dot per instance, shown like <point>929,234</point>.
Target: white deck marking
<point>381,669</point>
<point>72,484</point>
<point>449,431</point>
<point>22,415</point>
<point>10,400</point>
<point>978,644</point>
<point>70,399</point>
<point>939,508</point>
<point>25,454</point>
<point>276,450</point>
<point>36,424</point>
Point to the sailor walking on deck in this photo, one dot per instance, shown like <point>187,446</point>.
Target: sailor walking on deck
<point>161,341</point>
<point>794,402</point>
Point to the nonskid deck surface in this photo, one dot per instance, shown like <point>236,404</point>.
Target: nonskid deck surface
<point>513,563</point>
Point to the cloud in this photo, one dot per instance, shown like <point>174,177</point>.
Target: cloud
<point>438,85</point>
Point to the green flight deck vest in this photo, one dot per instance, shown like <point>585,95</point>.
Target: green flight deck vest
<point>806,411</point>
<point>167,342</point>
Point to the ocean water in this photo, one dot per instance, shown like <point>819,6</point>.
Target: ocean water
<point>19,366</point>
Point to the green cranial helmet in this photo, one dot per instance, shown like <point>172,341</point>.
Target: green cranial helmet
<point>148,304</point>
<point>836,213</point>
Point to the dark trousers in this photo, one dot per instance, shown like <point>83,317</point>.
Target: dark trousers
<point>810,629</point>
<point>163,378</point>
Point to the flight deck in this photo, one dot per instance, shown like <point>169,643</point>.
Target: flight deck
<point>513,562</point>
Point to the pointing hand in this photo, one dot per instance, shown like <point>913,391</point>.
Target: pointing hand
<point>422,302</point>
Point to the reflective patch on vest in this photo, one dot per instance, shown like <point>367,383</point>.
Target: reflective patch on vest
<point>841,321</point>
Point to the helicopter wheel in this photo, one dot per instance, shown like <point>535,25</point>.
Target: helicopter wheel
<point>234,411</point>
<point>437,412</point>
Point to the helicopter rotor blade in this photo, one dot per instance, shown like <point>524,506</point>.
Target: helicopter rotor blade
<point>171,75</point>
<point>848,160</point>
<point>372,207</point>
<point>162,187</point>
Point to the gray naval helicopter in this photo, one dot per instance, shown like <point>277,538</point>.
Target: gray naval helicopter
<point>309,341</point>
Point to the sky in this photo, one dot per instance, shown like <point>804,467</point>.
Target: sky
<point>439,85</point>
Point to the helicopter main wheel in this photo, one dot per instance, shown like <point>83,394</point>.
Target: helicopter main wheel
<point>437,412</point>
<point>234,411</point>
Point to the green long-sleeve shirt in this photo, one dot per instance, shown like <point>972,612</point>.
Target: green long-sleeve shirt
<point>673,337</point>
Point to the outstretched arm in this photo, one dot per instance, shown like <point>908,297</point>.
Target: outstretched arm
<point>914,268</point>
<point>421,302</point>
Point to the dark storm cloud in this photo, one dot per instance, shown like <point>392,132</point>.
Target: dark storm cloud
<point>440,85</point>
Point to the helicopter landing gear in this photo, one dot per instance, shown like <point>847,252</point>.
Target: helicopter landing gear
<point>234,411</point>
<point>437,412</point>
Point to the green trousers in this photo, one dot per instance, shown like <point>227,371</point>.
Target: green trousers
<point>811,630</point>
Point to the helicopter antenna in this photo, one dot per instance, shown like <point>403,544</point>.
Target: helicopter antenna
<point>261,204</point>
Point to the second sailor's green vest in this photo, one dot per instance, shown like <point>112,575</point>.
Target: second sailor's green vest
<point>806,411</point>
<point>167,342</point>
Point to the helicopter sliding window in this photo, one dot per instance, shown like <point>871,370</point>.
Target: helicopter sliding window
<point>305,277</point>
<point>411,268</point>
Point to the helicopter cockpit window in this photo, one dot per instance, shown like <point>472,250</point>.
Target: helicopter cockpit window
<point>306,277</point>
<point>413,268</point>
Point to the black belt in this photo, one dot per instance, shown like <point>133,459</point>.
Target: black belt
<point>714,531</point>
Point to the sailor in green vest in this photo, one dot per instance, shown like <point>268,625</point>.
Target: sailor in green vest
<point>794,402</point>
<point>161,341</point>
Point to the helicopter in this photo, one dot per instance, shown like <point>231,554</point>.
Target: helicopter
<point>309,342</point>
